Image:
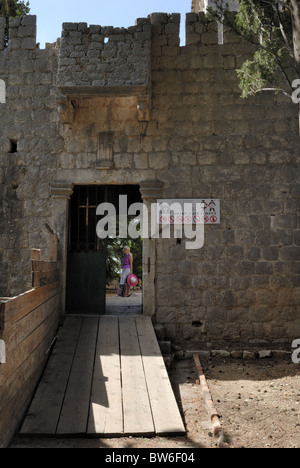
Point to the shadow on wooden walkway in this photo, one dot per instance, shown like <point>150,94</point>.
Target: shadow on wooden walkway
<point>105,377</point>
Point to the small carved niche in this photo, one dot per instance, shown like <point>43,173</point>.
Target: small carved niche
<point>105,151</point>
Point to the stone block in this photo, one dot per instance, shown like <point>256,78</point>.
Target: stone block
<point>14,44</point>
<point>28,43</point>
<point>70,26</point>
<point>229,62</point>
<point>221,353</point>
<point>290,254</point>
<point>29,20</point>
<point>159,18</point>
<point>270,253</point>
<point>27,31</point>
<point>284,221</point>
<point>15,22</point>
<point>249,355</point>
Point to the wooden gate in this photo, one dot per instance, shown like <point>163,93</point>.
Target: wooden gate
<point>86,269</point>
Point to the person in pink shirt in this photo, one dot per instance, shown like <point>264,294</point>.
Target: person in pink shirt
<point>127,269</point>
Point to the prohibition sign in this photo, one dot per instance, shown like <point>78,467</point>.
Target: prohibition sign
<point>213,219</point>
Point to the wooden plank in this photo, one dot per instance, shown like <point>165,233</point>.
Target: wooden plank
<point>19,306</point>
<point>42,278</point>
<point>166,415</point>
<point>35,254</point>
<point>17,355</point>
<point>19,331</point>
<point>37,265</point>
<point>12,415</point>
<point>106,416</point>
<point>74,414</point>
<point>137,410</point>
<point>44,412</point>
<point>53,244</point>
<point>25,361</point>
<point>16,391</point>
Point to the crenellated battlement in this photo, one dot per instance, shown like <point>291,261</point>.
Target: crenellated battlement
<point>124,53</point>
<point>105,56</point>
<point>95,58</point>
<point>202,32</point>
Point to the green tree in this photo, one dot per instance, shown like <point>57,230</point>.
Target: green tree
<point>273,26</point>
<point>12,9</point>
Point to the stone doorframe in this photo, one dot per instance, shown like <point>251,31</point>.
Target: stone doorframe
<point>61,192</point>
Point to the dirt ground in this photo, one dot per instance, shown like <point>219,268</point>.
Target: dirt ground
<point>258,400</point>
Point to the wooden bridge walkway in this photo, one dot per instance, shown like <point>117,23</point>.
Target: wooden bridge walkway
<point>105,377</point>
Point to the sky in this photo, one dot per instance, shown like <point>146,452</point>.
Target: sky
<point>118,13</point>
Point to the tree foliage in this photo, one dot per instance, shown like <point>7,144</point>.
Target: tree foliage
<point>272,26</point>
<point>13,8</point>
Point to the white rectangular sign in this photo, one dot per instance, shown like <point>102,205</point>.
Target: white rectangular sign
<point>2,92</point>
<point>188,211</point>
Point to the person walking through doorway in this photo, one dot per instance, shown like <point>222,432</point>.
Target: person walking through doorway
<point>127,269</point>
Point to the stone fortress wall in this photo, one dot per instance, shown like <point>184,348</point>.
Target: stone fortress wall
<point>175,115</point>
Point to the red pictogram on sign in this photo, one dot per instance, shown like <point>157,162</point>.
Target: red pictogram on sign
<point>213,219</point>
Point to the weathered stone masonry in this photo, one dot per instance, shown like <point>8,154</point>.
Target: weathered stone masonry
<point>175,116</point>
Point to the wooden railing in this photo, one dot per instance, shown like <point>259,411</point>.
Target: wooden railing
<point>28,326</point>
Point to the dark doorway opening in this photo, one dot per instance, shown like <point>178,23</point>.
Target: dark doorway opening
<point>93,266</point>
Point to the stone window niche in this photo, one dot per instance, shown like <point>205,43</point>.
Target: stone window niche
<point>12,146</point>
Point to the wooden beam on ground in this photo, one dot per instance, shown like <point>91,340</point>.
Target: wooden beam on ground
<point>74,414</point>
<point>211,410</point>
<point>165,411</point>
<point>136,404</point>
<point>106,411</point>
<point>45,409</point>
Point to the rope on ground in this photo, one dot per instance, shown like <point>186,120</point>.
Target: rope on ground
<point>212,412</point>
